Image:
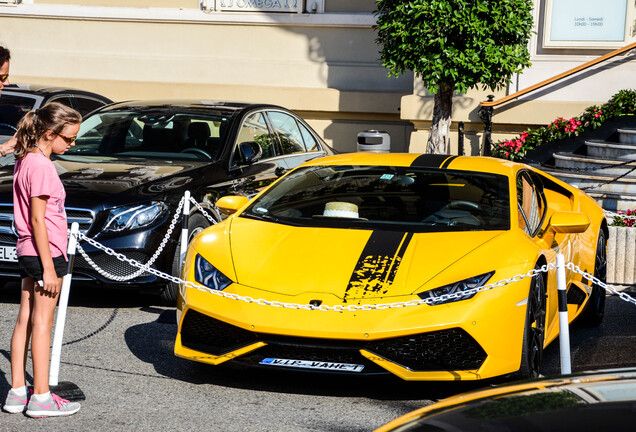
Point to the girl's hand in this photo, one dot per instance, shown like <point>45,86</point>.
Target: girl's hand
<point>51,282</point>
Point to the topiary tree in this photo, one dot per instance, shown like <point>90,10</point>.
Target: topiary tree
<point>453,46</point>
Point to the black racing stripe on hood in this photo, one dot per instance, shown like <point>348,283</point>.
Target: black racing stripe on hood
<point>432,161</point>
<point>378,264</point>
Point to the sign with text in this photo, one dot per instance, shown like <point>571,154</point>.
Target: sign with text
<point>587,20</point>
<point>288,6</point>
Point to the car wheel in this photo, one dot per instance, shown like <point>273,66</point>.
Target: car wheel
<point>169,292</point>
<point>534,332</point>
<point>595,310</point>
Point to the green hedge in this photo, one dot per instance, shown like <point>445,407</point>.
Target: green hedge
<point>622,103</point>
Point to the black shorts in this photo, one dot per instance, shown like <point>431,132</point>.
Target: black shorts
<point>32,266</point>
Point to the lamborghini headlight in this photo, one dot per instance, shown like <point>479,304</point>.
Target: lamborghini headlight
<point>132,217</point>
<point>441,295</point>
<point>208,275</point>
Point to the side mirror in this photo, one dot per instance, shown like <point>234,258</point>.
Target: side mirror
<point>251,151</point>
<point>569,222</point>
<point>231,204</point>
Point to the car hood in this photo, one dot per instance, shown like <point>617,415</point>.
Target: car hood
<point>95,179</point>
<point>595,400</point>
<point>348,263</point>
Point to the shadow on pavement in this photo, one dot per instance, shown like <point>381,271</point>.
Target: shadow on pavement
<point>154,343</point>
<point>89,295</point>
<point>610,345</point>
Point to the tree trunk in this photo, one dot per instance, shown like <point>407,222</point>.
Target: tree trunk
<point>439,140</point>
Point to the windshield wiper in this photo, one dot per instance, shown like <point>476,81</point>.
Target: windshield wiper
<point>261,217</point>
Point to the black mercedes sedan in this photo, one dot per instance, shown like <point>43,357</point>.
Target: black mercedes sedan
<point>134,160</point>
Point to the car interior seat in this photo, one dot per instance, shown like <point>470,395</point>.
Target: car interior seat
<point>158,139</point>
<point>198,134</point>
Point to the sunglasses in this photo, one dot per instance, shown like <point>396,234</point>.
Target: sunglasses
<point>69,140</point>
<point>4,77</point>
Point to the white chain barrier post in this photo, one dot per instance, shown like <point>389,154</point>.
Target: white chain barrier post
<point>564,329</point>
<point>184,230</point>
<point>68,390</point>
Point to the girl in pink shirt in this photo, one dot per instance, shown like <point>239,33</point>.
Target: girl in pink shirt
<point>40,219</point>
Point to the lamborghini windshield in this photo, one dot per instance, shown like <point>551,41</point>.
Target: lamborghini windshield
<point>381,197</point>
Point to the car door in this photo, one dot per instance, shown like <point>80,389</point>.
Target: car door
<point>250,178</point>
<point>532,212</point>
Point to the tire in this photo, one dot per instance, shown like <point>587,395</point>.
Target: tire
<point>534,330</point>
<point>170,291</point>
<point>593,314</point>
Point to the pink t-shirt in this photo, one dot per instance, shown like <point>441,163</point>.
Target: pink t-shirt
<point>34,175</point>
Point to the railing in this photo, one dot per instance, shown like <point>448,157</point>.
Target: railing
<point>487,107</point>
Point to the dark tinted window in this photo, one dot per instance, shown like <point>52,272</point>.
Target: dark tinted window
<point>13,108</point>
<point>374,197</point>
<point>85,105</point>
<point>64,100</point>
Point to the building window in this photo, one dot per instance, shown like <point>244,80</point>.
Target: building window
<point>587,24</point>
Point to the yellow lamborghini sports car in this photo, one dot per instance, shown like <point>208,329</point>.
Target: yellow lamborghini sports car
<point>369,263</point>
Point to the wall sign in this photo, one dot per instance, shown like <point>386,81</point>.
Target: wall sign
<point>288,6</point>
<point>586,23</point>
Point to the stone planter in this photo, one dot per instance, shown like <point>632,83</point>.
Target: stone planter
<point>621,252</point>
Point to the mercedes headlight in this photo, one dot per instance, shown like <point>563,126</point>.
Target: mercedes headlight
<point>132,217</point>
<point>441,295</point>
<point>208,275</point>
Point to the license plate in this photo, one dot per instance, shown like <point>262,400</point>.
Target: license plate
<point>308,364</point>
<point>8,253</point>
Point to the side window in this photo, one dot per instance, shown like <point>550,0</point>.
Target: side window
<point>287,131</point>
<point>64,100</point>
<point>530,203</point>
<point>254,128</point>
<point>311,144</point>
<point>85,105</point>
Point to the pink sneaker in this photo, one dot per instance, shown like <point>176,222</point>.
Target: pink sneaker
<point>54,406</point>
<point>16,404</point>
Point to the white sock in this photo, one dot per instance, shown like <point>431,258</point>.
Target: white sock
<point>42,397</point>
<point>20,391</point>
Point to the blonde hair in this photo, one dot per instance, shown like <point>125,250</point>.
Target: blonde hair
<point>52,116</point>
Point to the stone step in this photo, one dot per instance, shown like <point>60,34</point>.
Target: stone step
<point>603,149</point>
<point>627,136</point>
<point>614,202</point>
<point>594,165</point>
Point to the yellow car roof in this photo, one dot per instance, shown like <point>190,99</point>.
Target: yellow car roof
<point>469,163</point>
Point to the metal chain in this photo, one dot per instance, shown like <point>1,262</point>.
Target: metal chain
<point>143,267</point>
<point>205,213</point>
<point>597,281</point>
<point>618,165</point>
<point>608,181</point>
<point>336,308</point>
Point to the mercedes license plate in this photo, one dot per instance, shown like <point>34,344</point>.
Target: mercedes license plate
<point>8,253</point>
<point>308,364</point>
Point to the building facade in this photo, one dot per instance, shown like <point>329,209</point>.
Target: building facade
<point>317,57</point>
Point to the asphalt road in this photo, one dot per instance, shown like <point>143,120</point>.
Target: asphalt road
<point>118,351</point>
